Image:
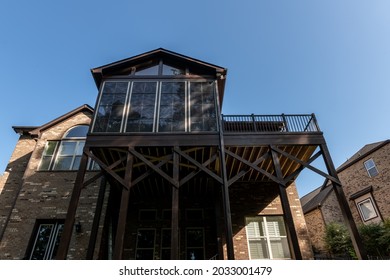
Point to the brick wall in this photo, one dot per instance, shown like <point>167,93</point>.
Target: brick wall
<point>44,195</point>
<point>262,199</point>
<point>356,178</point>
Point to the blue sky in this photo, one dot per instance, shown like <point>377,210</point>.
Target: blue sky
<point>331,58</point>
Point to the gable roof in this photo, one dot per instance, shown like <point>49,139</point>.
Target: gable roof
<point>36,130</point>
<point>363,152</point>
<point>99,73</point>
<point>315,198</point>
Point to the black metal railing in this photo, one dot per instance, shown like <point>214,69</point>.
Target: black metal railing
<point>270,123</point>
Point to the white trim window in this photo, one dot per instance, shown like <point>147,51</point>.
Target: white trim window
<point>66,154</point>
<point>267,237</point>
<point>367,209</point>
<point>371,168</point>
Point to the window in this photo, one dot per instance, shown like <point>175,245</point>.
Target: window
<point>46,239</point>
<point>145,244</point>
<point>195,244</point>
<point>156,106</point>
<point>66,154</point>
<point>166,244</point>
<point>367,209</point>
<point>371,168</point>
<point>267,238</point>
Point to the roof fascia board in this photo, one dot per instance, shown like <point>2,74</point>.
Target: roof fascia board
<point>84,107</point>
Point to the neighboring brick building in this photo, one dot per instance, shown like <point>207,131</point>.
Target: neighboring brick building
<point>366,183</point>
<point>157,172</point>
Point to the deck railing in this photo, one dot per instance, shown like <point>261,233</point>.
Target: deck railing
<point>270,123</point>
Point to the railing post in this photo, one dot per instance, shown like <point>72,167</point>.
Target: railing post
<point>285,122</point>
<point>254,122</point>
<point>315,121</point>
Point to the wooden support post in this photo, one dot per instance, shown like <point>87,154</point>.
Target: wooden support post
<point>346,211</point>
<point>96,218</point>
<point>121,228</point>
<point>175,246</point>
<point>72,208</point>
<point>226,205</point>
<point>225,183</point>
<point>288,218</point>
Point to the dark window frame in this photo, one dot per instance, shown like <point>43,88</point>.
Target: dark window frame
<point>52,243</point>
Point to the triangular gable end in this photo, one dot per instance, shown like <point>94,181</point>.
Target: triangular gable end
<point>83,108</point>
<point>178,64</point>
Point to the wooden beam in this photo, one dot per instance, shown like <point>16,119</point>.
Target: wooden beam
<point>194,173</point>
<point>93,179</point>
<point>197,164</point>
<point>154,167</point>
<point>108,169</point>
<point>121,227</point>
<point>255,167</point>
<point>149,172</point>
<point>72,208</point>
<point>288,218</point>
<point>243,172</point>
<point>96,219</point>
<point>296,172</point>
<point>175,245</point>
<point>333,179</point>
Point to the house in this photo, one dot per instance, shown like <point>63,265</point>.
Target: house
<point>156,171</point>
<point>365,179</point>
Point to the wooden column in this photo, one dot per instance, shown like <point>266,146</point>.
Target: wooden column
<point>288,218</point>
<point>121,228</point>
<point>72,208</point>
<point>346,211</point>
<point>96,218</point>
<point>175,246</point>
<point>226,206</point>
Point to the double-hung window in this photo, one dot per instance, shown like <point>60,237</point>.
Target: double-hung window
<point>267,238</point>
<point>371,168</point>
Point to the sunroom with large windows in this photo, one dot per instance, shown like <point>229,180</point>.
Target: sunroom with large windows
<point>146,101</point>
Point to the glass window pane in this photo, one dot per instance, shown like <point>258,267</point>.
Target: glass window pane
<point>170,70</point>
<point>172,107</point>
<point>45,163</point>
<point>67,148</point>
<point>194,238</point>
<point>111,107</point>
<point>195,254</point>
<point>50,148</point>
<point>41,242</point>
<point>267,237</point>
<point>142,107</point>
<point>258,249</point>
<point>57,238</point>
<point>145,238</point>
<point>76,163</point>
<point>203,114</point>
<point>63,163</point>
<point>166,238</point>
<point>80,147</point>
<point>77,131</point>
<point>367,209</point>
<point>153,70</point>
<point>279,247</point>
